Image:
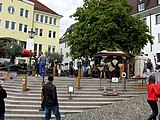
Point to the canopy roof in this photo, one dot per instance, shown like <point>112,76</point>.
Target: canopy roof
<point>113,53</point>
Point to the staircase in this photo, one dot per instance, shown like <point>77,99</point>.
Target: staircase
<point>25,105</point>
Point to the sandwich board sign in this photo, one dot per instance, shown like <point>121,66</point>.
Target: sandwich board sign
<point>114,79</point>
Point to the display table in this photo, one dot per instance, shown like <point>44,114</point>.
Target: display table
<point>139,82</point>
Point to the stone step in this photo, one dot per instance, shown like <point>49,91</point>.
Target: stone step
<point>36,111</point>
<point>24,105</point>
<point>27,116</point>
<point>68,102</point>
<point>65,96</point>
<point>37,107</point>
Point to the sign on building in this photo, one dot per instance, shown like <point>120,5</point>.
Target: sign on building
<point>30,44</point>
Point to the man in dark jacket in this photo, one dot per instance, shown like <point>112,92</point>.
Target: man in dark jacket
<point>3,95</point>
<point>49,93</point>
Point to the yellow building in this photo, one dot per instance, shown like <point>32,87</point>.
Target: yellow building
<point>17,17</point>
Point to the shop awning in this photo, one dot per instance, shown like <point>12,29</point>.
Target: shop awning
<point>26,53</point>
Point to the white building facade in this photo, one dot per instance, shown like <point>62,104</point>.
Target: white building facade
<point>149,12</point>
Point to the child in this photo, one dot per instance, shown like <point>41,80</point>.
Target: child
<point>153,94</point>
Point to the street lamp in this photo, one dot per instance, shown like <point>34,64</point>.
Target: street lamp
<point>31,33</point>
<point>31,36</point>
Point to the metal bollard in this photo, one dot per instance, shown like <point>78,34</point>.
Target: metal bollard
<point>123,81</point>
<point>25,82</point>
<point>43,82</point>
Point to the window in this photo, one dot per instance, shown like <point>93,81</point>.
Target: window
<point>49,49</point>
<point>50,20</point>
<point>54,34</point>
<point>20,26</point>
<point>21,12</point>
<point>66,45</point>
<point>27,13</point>
<point>7,25</point>
<point>158,37</point>
<point>13,25</point>
<point>46,19</point>
<point>25,28</point>
<point>53,49</point>
<point>36,31</point>
<point>141,6</point>
<point>22,44</point>
<point>158,1</point>
<point>50,34</point>
<point>55,21</point>
<point>40,48</point>
<point>37,17</point>
<point>41,32</point>
<point>158,19</point>
<point>158,57</point>
<point>61,50</point>
<point>35,47</point>
<point>0,7</point>
<point>42,18</point>
<point>145,21</point>
<point>11,10</point>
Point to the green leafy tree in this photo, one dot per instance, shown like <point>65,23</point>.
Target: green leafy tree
<point>52,57</point>
<point>107,25</point>
<point>14,51</point>
<point>1,43</point>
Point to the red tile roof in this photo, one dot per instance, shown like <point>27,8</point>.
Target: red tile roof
<point>41,7</point>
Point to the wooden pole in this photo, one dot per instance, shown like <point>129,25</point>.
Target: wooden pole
<point>128,71</point>
<point>121,70</point>
<point>25,82</point>
<point>79,76</point>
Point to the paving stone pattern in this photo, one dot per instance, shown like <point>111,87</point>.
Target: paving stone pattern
<point>135,108</point>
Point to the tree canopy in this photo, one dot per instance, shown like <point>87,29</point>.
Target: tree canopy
<point>107,25</point>
<point>14,50</point>
<point>52,57</point>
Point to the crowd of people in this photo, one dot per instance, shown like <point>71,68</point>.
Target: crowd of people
<point>39,65</point>
<point>49,92</point>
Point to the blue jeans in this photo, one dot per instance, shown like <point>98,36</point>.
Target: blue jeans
<point>2,117</point>
<point>54,109</point>
<point>42,68</point>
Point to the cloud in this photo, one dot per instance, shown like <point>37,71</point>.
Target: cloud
<point>64,8</point>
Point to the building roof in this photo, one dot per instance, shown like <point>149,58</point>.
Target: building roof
<point>41,7</point>
<point>68,31</point>
<point>148,5</point>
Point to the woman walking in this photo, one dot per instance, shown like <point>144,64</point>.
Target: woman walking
<point>153,94</point>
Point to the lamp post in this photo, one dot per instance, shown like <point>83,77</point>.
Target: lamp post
<point>31,36</point>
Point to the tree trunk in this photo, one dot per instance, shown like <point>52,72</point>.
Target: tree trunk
<point>12,59</point>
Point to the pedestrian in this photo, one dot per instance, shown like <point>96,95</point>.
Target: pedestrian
<point>42,63</point>
<point>3,95</point>
<point>36,65</point>
<point>153,94</point>
<point>49,93</point>
<point>149,65</point>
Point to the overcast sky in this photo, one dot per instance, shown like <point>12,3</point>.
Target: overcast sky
<point>64,8</point>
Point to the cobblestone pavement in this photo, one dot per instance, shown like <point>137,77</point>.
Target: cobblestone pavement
<point>135,108</point>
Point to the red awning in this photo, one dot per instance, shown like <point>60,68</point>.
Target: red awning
<point>26,53</point>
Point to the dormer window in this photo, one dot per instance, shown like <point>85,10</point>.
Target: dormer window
<point>141,6</point>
